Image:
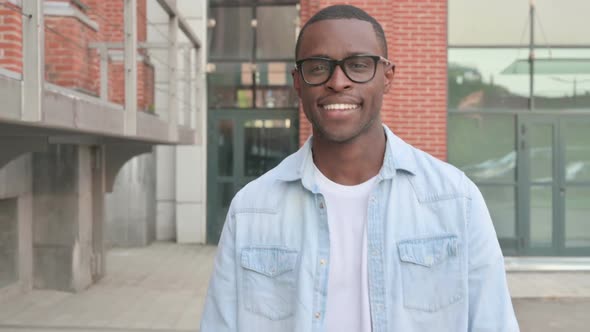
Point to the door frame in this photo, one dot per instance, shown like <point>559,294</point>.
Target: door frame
<point>524,124</point>
<point>239,118</point>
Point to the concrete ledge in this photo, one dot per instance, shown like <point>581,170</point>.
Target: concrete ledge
<point>66,112</point>
<point>151,127</point>
<point>546,264</point>
<point>66,108</point>
<point>65,9</point>
<point>11,74</point>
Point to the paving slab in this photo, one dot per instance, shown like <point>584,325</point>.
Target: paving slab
<point>157,288</point>
<point>162,287</point>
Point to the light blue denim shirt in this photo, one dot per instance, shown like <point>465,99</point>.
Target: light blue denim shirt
<point>434,263</point>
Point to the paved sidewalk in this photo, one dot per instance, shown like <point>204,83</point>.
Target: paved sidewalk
<point>157,288</point>
<point>162,287</point>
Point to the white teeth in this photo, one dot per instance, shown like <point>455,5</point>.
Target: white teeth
<point>340,106</point>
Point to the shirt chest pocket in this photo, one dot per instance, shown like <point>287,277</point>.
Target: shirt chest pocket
<point>269,279</point>
<point>431,270</point>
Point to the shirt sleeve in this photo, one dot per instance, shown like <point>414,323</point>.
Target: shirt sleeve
<point>490,305</point>
<point>220,312</point>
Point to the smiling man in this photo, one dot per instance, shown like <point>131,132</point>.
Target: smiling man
<point>357,231</point>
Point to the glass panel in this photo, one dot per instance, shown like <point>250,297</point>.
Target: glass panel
<point>577,223</point>
<point>233,35</point>
<point>225,148</point>
<point>482,145</point>
<point>562,22</point>
<point>476,79</point>
<point>482,18</point>
<point>276,32</point>
<point>266,144</point>
<point>230,85</point>
<point>502,205</point>
<point>577,155</point>
<point>275,86</point>
<point>557,22</point>
<point>225,192</point>
<point>561,81</point>
<point>541,216</point>
<point>541,152</point>
<point>8,242</point>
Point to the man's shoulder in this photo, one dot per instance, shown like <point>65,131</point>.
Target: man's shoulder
<point>437,179</point>
<point>264,191</point>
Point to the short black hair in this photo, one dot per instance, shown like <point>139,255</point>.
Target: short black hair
<point>345,12</point>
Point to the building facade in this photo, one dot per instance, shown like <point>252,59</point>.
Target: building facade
<point>86,87</point>
<point>501,90</point>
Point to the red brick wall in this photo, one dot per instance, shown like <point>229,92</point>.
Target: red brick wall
<point>69,61</point>
<point>113,10</point>
<point>146,93</point>
<point>145,84</point>
<point>416,30</point>
<point>114,29</point>
<point>11,38</point>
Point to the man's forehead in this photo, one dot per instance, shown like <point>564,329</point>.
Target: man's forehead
<point>356,35</point>
<point>340,24</point>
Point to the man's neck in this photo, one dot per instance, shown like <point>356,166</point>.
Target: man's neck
<point>352,162</point>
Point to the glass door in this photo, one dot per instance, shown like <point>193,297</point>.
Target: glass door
<point>554,185</point>
<point>540,186</point>
<point>575,147</point>
<point>242,146</point>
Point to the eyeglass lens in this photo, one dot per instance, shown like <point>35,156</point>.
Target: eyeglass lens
<point>359,69</point>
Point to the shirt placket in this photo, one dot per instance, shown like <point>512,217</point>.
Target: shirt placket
<point>321,278</point>
<point>375,263</point>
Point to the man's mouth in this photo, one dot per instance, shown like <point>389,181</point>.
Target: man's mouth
<point>340,107</point>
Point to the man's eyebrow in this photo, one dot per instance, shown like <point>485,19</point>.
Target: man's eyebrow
<point>329,57</point>
<point>318,56</point>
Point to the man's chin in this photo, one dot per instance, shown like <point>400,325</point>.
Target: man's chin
<point>337,136</point>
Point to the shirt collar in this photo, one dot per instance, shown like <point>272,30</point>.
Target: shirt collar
<point>398,156</point>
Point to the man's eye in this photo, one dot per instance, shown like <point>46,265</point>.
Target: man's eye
<point>318,68</point>
<point>358,65</point>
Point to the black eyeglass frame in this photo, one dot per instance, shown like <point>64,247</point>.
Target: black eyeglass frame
<point>333,63</point>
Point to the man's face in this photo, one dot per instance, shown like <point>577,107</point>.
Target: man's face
<point>341,110</point>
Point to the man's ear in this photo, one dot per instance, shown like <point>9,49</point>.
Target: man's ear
<point>389,73</point>
<point>296,81</point>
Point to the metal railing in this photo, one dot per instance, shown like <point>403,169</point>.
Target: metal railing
<point>171,47</point>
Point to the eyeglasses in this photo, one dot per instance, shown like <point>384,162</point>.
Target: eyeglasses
<point>358,68</point>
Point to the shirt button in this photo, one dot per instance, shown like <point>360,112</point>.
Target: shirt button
<point>321,205</point>
<point>318,315</point>
<point>322,262</point>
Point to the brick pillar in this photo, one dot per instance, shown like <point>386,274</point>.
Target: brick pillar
<point>11,42</point>
<point>416,30</point>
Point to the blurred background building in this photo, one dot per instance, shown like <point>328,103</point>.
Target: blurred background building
<point>129,121</point>
<point>500,89</point>
<point>88,90</point>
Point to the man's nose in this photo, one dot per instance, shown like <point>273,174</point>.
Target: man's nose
<point>339,81</point>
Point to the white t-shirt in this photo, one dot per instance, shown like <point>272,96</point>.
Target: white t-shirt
<point>347,307</point>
